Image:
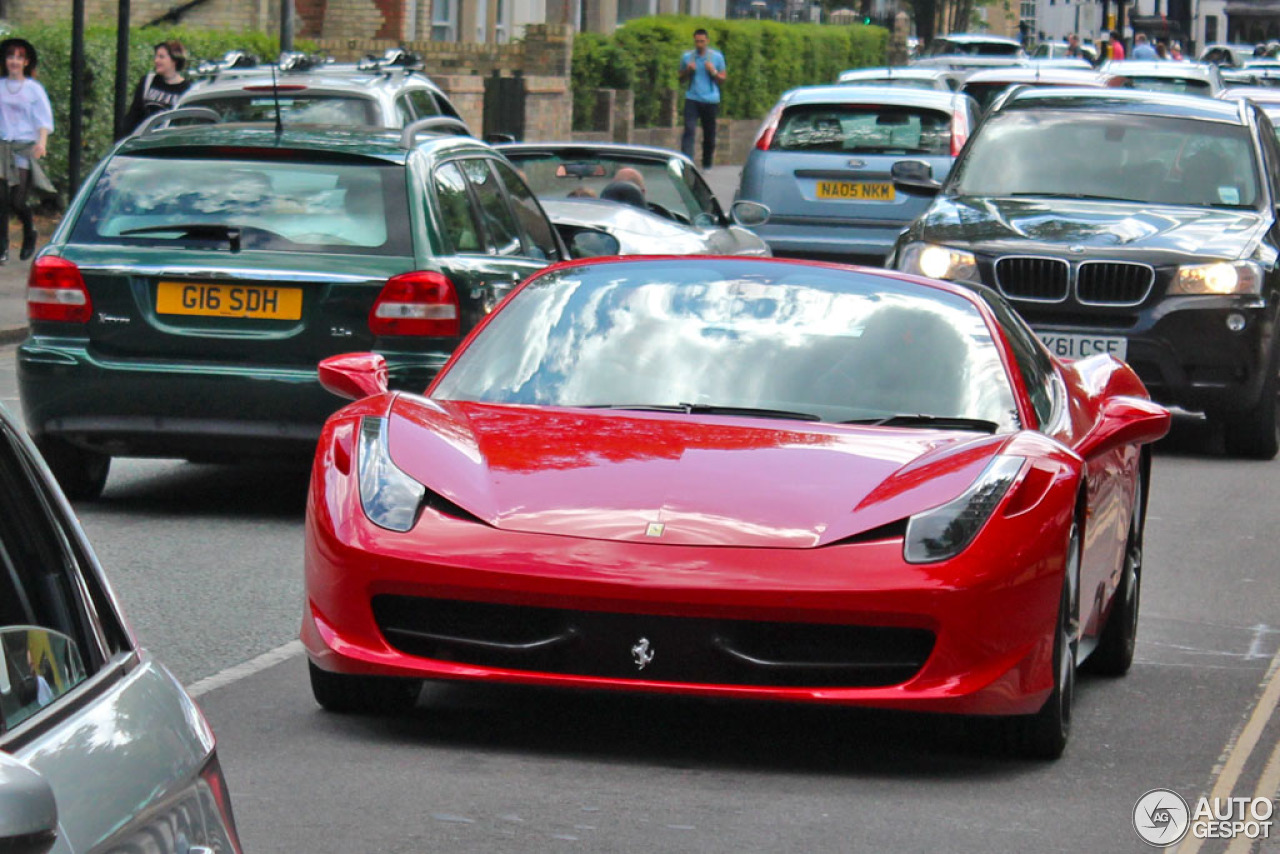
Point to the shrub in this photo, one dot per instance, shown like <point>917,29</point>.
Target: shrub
<point>53,43</point>
<point>597,64</point>
<point>764,59</point>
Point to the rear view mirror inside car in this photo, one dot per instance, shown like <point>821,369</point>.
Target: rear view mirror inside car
<point>580,170</point>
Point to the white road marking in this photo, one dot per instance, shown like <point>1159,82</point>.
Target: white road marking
<point>245,669</point>
<point>1241,746</point>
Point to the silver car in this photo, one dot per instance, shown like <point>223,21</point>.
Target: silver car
<point>101,750</point>
<point>371,94</point>
<point>941,79</point>
<point>650,201</point>
<point>1178,78</point>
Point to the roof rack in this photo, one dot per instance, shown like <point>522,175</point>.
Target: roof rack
<point>159,120</point>
<point>392,58</point>
<point>296,60</point>
<point>232,59</point>
<point>444,124</point>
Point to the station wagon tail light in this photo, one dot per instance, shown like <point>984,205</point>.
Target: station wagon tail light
<point>959,131</point>
<point>764,136</point>
<point>421,303</point>
<point>56,291</point>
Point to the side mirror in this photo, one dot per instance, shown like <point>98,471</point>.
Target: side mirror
<point>592,243</point>
<point>914,176</point>
<point>354,375</point>
<point>749,214</point>
<point>1125,421</point>
<point>28,811</point>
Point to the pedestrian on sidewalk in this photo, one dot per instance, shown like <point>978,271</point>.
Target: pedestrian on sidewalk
<point>704,69</point>
<point>159,90</point>
<point>26,120</point>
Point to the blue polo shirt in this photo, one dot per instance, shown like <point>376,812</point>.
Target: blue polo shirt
<point>701,86</point>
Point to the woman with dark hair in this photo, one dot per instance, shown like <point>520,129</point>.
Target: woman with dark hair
<point>26,120</point>
<point>160,89</point>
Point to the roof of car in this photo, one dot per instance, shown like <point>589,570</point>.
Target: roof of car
<point>886,72</point>
<point>1034,74</point>
<point>979,38</point>
<point>837,94</point>
<point>1128,101</point>
<point>325,77</point>
<point>1157,68</point>
<point>345,141</point>
<point>1259,94</point>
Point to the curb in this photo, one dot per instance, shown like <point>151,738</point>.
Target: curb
<point>12,334</point>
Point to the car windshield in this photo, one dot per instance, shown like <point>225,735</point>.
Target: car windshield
<point>831,344</point>
<point>1175,85</point>
<point>289,205</point>
<point>863,129</point>
<point>1127,156</point>
<point>294,108</point>
<point>671,184</point>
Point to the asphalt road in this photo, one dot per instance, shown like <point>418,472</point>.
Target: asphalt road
<point>207,561</point>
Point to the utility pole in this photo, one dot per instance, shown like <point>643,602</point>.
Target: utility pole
<point>122,68</point>
<point>286,25</point>
<point>77,96</point>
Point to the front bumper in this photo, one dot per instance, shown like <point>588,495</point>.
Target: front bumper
<point>406,605</point>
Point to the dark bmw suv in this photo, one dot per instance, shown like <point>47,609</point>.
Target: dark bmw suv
<point>1132,223</point>
<point>202,273</point>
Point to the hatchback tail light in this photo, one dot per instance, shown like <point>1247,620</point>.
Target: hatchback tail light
<point>56,291</point>
<point>959,131</point>
<point>421,303</point>
<point>764,136</point>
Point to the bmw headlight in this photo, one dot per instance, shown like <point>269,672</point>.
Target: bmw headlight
<point>1219,278</point>
<point>939,262</point>
<point>945,531</point>
<point>390,498</point>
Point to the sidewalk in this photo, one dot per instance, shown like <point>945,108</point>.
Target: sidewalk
<point>13,276</point>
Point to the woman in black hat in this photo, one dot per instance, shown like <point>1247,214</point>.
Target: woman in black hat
<point>26,120</point>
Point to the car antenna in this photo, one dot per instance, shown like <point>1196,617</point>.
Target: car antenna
<point>275,92</point>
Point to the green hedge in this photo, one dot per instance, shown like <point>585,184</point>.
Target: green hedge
<point>598,63</point>
<point>53,43</point>
<point>763,58</point>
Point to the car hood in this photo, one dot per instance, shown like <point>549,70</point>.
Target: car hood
<point>678,480</point>
<point>638,231</point>
<point>1089,227</point>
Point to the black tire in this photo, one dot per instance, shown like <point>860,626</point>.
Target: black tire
<point>338,692</point>
<point>1044,735</point>
<point>82,474</point>
<point>1255,433</point>
<point>1114,653</point>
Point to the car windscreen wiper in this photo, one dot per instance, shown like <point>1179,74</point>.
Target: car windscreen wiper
<point>709,409</point>
<point>197,230</point>
<point>938,422</point>
<point>1084,196</point>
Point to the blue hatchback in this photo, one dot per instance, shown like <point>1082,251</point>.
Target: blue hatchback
<point>825,159</point>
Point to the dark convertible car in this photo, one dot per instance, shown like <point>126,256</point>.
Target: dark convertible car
<point>1150,234</point>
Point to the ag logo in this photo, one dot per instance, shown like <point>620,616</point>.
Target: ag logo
<point>1161,817</point>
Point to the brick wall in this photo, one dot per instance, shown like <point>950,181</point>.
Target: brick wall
<point>548,110</point>
<point>213,14</point>
<point>733,140</point>
<point>466,91</point>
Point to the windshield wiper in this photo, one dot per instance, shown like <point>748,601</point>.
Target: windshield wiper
<point>1085,196</point>
<point>197,230</point>
<point>939,422</point>
<point>709,409</point>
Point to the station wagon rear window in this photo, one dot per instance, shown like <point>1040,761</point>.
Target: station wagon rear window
<point>864,129</point>
<point>280,205</point>
<point>294,108</point>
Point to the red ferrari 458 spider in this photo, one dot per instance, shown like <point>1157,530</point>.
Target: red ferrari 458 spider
<point>731,477</point>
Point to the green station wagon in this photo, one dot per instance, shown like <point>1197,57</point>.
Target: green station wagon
<point>202,272</point>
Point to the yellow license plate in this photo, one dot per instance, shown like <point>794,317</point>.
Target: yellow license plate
<point>260,302</point>
<point>854,191</point>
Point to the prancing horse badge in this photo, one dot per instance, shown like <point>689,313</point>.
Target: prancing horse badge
<point>641,653</point>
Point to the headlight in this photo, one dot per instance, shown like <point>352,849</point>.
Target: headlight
<point>945,531</point>
<point>939,262</point>
<point>1220,278</point>
<point>390,498</point>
